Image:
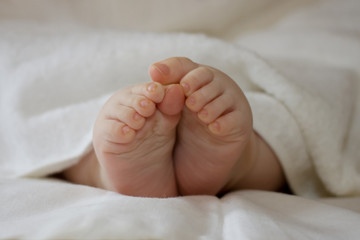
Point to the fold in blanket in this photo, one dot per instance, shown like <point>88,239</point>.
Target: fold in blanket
<point>53,84</point>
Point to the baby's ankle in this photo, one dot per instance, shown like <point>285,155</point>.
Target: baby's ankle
<point>243,166</point>
<point>85,172</point>
<point>261,169</point>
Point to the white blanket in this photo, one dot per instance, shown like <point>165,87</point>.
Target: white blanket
<point>54,82</point>
<point>305,98</point>
<point>55,210</point>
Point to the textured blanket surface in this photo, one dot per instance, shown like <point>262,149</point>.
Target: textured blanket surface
<point>54,82</point>
<point>56,210</point>
<point>297,61</point>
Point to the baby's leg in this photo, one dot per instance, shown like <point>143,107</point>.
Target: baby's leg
<point>133,140</point>
<point>215,129</point>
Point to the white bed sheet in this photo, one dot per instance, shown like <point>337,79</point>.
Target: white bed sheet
<point>51,209</point>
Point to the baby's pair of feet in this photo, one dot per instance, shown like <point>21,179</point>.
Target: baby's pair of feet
<point>186,132</point>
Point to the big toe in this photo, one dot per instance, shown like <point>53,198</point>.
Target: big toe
<point>171,70</point>
<point>173,101</point>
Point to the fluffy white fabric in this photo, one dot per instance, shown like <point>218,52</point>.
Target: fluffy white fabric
<point>320,53</point>
<point>63,211</point>
<point>54,83</point>
<point>57,68</point>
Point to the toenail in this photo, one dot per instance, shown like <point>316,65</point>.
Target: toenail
<point>125,130</point>
<point>203,113</point>
<point>162,68</point>
<point>137,116</point>
<point>215,127</point>
<point>191,100</point>
<point>151,87</point>
<point>144,103</point>
<point>186,87</point>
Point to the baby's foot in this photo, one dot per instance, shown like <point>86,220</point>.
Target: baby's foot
<point>215,128</point>
<point>134,136</point>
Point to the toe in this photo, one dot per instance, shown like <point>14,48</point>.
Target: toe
<point>117,132</point>
<point>128,116</point>
<point>196,79</point>
<point>136,97</point>
<point>173,102</point>
<point>204,95</point>
<point>171,70</point>
<point>144,106</point>
<point>153,91</point>
<point>213,110</point>
<point>232,126</point>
